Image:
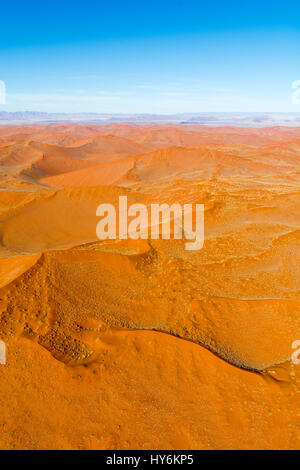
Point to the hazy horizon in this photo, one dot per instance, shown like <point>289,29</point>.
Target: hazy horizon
<point>205,119</point>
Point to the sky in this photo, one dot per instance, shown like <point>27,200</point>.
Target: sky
<point>159,57</point>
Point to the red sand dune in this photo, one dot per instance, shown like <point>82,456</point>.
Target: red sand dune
<point>103,174</point>
<point>140,344</point>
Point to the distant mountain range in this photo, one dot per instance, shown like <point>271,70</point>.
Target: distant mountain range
<point>212,119</point>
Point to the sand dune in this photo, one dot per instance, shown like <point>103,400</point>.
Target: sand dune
<point>106,147</point>
<point>39,160</point>
<point>205,162</point>
<point>142,343</point>
<point>177,161</point>
<point>112,173</point>
<point>195,135</point>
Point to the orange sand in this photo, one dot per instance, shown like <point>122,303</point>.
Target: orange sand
<point>142,344</point>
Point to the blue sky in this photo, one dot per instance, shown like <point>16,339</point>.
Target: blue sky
<point>150,56</point>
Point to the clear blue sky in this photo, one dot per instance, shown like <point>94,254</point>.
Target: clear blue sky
<point>150,56</point>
